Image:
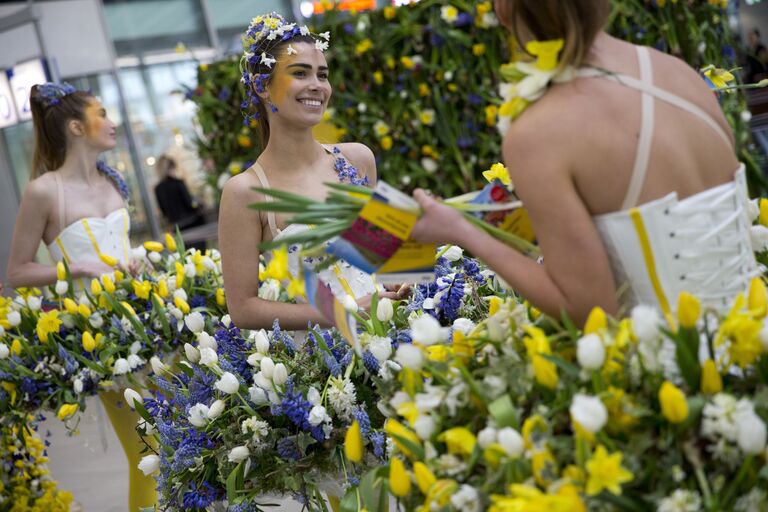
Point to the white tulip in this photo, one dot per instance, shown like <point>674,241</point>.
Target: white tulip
<point>645,323</point>
<point>350,304</point>
<point>96,321</point>
<point>121,367</point>
<point>758,235</point>
<point>208,357</point>
<point>77,385</point>
<point>147,427</point>
<point>180,294</point>
<point>149,464</point>
<point>135,347</point>
<point>34,303</point>
<point>238,454</point>
<point>255,358</point>
<point>154,257</point>
<point>280,376</point>
<point>426,330</point>
<point>198,415</point>
<point>138,253</point>
<point>228,383</point>
<point>465,325</point>
<point>158,367</point>
<point>429,303</point>
<point>409,356</point>
<point>216,409</point>
<point>269,290</point>
<point>4,351</point>
<point>384,310</point>
<point>190,270</point>
<point>512,442</point>
<point>208,263</point>
<point>424,426</point>
<point>454,253</point>
<point>381,348</point>
<point>205,340</point>
<point>590,352</point>
<point>267,367</point>
<point>193,355</point>
<point>132,396</point>
<point>751,433</point>
<point>257,395</point>
<point>313,396</point>
<point>487,437</point>
<point>317,415</point>
<point>13,318</point>
<point>195,321</point>
<point>134,361</point>
<point>226,321</point>
<point>589,412</point>
<point>261,341</point>
<point>61,287</point>
<point>260,380</point>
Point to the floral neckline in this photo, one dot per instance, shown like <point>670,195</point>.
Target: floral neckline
<point>347,172</point>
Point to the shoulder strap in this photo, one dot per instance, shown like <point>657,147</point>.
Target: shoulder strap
<point>62,206</point>
<point>647,120</point>
<point>259,170</point>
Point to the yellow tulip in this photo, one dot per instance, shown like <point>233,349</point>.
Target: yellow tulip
<point>129,308</point>
<point>118,276</point>
<point>397,431</point>
<point>458,440</point>
<point>353,443</point>
<point>108,284</point>
<point>221,298</point>
<point>98,339</point>
<point>688,310</point>
<point>153,246</point>
<point>424,477</point>
<point>89,344</point>
<point>84,310</point>
<point>96,288</point>
<point>181,304</point>
<point>170,242</point>
<point>66,411</point>
<point>15,347</point>
<point>399,480</point>
<point>141,288</point>
<point>162,288</point>
<point>674,407</point>
<point>596,321</point>
<point>711,381</point>
<point>763,212</point>
<point>70,306</point>
<point>545,372</point>
<point>61,271</point>
<point>757,297</point>
<point>179,275</point>
<point>108,260</point>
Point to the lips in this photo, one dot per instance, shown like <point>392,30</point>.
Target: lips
<point>311,102</point>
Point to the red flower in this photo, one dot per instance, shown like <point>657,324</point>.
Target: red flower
<point>498,194</point>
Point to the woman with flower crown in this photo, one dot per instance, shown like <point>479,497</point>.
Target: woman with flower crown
<point>626,165</point>
<point>286,77</point>
<point>76,205</point>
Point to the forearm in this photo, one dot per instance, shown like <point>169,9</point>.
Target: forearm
<point>256,313</point>
<point>30,275</point>
<point>527,277</point>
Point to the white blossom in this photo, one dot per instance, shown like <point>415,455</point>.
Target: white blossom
<point>121,367</point>
<point>424,426</point>
<point>453,253</point>
<point>149,464</point>
<point>280,376</point>
<point>205,340</point>
<point>758,235</point>
<point>4,351</point>
<point>426,330</point>
<point>381,348</point>
<point>589,412</point>
<point>257,395</point>
<point>217,407</point>
<point>61,287</point>
<point>158,367</point>
<point>198,415</point>
<point>466,499</point>
<point>13,318</point>
<point>132,396</point>
<point>34,302</point>
<point>238,454</point>
<point>590,352</point>
<point>487,437</point>
<point>317,415</point>
<point>384,310</point>
<point>464,325</point>
<point>195,321</point>
<point>261,341</point>
<point>228,383</point>
<point>208,357</point>
<point>681,500</point>
<point>409,356</point>
<point>193,355</point>
<point>511,441</point>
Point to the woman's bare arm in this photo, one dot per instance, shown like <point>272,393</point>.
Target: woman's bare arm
<point>239,238</point>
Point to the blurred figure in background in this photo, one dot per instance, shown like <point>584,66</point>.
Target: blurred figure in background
<point>177,205</point>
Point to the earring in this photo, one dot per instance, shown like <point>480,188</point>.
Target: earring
<point>271,105</point>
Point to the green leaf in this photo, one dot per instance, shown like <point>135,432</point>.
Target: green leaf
<point>235,481</point>
<point>503,412</point>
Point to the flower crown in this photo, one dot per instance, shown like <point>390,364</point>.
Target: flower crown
<point>50,93</point>
<point>264,34</point>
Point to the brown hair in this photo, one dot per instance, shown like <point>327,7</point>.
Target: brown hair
<point>576,22</point>
<point>165,164</point>
<point>50,125</point>
<point>261,109</point>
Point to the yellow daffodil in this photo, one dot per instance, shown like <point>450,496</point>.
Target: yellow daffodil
<point>409,411</point>
<point>378,77</point>
<point>398,432</point>
<point>221,298</point>
<point>458,440</point>
<point>440,493</point>
<point>427,117</point>
<point>118,275</point>
<point>546,53</point>
<point>529,498</point>
<point>478,49</point>
<point>380,128</point>
<point>363,46</point>
<point>497,172</point>
<point>462,346</point>
<point>61,271</point>
<point>537,345</point>
<point>674,406</point>
<point>389,12</point>
<point>386,143</point>
<point>688,310</point>
<point>48,323</point>
<point>491,114</point>
<point>399,479</point>
<point>424,90</point>
<point>141,288</point>
<point>757,297</point>
<point>407,62</point>
<point>170,242</point>
<point>353,443</point>
<point>597,321</point>
<point>720,78</point>
<point>66,411</point>
<point>424,477</point>
<point>711,381</point>
<point>606,472</point>
<point>278,266</point>
<point>15,347</point>
<point>295,288</point>
<point>244,140</point>
<point>89,343</point>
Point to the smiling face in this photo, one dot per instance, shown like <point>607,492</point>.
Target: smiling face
<point>99,129</point>
<point>299,86</point>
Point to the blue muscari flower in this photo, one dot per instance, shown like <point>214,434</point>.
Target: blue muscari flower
<point>116,178</point>
<point>224,94</point>
<point>201,387</point>
<point>287,449</point>
<point>465,142</point>
<point>463,20</point>
<point>199,498</point>
<point>70,364</point>
<point>244,507</point>
<point>370,362</point>
<point>349,28</point>
<point>362,419</point>
<point>472,269</point>
<point>417,300</point>
<point>333,365</point>
<point>475,99</point>
<point>347,359</point>
<point>3,395</point>
<point>379,442</point>
<point>353,481</point>
<point>197,301</point>
<point>450,301</point>
<point>233,349</point>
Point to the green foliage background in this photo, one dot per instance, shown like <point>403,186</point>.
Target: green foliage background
<point>452,77</point>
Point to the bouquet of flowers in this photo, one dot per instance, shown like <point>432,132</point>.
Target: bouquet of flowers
<point>54,353</point>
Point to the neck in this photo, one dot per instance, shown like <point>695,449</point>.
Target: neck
<point>294,149</point>
<point>602,45</point>
<point>80,164</point>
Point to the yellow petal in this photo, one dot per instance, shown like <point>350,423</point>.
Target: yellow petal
<point>353,443</point>
<point>399,480</point>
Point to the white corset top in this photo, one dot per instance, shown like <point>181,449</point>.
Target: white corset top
<point>700,245</point>
<point>87,238</point>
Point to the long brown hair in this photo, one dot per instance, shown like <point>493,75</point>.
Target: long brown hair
<point>50,125</point>
<point>576,22</point>
<point>262,125</point>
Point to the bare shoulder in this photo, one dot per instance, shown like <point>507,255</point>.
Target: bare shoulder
<point>240,187</point>
<point>361,157</point>
<point>42,190</point>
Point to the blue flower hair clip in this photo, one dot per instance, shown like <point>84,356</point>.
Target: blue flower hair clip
<point>51,93</point>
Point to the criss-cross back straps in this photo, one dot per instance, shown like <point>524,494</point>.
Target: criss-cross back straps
<point>650,91</point>
<point>61,206</point>
<point>259,170</point>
